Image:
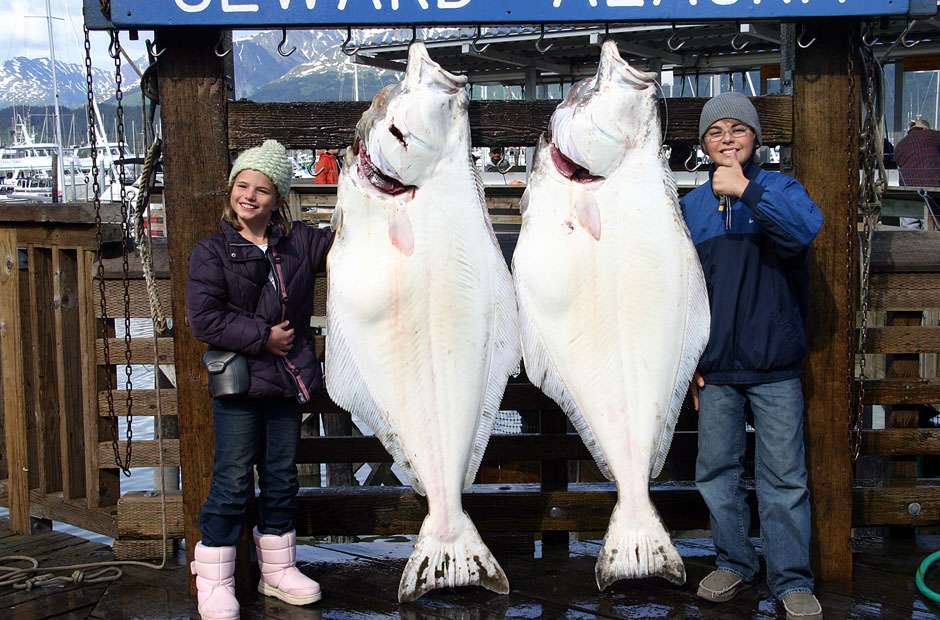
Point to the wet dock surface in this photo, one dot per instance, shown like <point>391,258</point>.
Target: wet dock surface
<point>360,581</point>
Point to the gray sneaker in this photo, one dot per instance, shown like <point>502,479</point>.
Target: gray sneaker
<point>720,586</point>
<point>802,606</point>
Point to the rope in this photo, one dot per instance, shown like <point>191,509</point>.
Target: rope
<point>148,178</point>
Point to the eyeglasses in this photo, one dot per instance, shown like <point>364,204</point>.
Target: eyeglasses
<point>714,135</point>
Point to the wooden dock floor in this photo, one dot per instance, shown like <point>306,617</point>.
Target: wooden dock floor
<point>360,581</point>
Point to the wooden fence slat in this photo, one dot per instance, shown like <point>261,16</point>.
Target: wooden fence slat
<point>899,339</point>
<point>45,373</point>
<point>144,453</point>
<point>11,381</point>
<point>91,423</point>
<point>141,350</point>
<point>901,391</point>
<point>901,442</point>
<point>892,505</point>
<point>139,302</point>
<point>140,515</point>
<point>144,402</point>
<point>904,291</point>
<point>905,251</point>
<point>327,124</point>
<point>68,352</point>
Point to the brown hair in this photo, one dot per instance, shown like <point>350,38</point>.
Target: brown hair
<point>280,217</point>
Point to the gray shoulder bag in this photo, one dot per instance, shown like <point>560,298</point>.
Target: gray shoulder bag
<point>228,371</point>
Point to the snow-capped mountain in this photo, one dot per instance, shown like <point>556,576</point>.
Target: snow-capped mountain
<point>28,81</point>
<point>261,73</point>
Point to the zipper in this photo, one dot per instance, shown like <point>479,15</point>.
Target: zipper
<point>303,395</point>
<point>726,201</point>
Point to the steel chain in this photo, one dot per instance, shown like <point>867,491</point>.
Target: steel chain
<point>96,191</point>
<point>870,193</point>
<point>115,51</point>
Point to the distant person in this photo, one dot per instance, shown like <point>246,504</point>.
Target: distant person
<point>328,166</point>
<point>497,163</point>
<point>918,158</point>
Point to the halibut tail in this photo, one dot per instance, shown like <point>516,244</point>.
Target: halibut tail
<point>635,548</point>
<point>461,560</point>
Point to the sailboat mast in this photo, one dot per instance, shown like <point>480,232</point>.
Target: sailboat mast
<point>60,169</point>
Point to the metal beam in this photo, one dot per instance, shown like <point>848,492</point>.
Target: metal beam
<point>629,47</point>
<point>519,61</point>
<point>379,63</point>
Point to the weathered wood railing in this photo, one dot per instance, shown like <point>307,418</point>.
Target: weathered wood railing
<point>58,458</point>
<point>50,465</point>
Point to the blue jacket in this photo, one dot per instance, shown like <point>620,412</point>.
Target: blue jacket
<point>232,304</point>
<point>754,259</point>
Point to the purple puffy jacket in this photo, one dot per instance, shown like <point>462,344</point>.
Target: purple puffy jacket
<point>232,304</point>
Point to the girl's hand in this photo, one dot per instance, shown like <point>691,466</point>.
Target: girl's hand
<point>280,341</point>
<point>697,382</point>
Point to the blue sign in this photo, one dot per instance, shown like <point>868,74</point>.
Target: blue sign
<point>148,14</point>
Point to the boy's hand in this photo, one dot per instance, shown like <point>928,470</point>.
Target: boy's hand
<point>697,382</point>
<point>729,179</point>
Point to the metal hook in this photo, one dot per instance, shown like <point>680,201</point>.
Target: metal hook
<point>474,44</point>
<point>734,39</point>
<point>688,160</point>
<point>669,43</point>
<point>218,46</point>
<point>799,39</point>
<point>414,35</point>
<point>280,46</point>
<point>349,51</point>
<point>539,44</point>
<point>114,47</point>
<point>151,49</point>
<point>868,31</point>
<point>903,37</point>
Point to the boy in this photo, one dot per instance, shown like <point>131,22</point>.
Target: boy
<point>752,230</point>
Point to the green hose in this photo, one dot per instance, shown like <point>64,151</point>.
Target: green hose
<point>919,578</point>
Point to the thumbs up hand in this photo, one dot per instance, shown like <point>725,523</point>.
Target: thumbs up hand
<point>729,179</point>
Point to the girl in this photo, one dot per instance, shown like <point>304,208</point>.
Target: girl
<point>250,290</point>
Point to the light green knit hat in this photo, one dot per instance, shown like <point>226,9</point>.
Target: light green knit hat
<point>270,159</point>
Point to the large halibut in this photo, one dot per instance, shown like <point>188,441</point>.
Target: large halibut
<point>612,300</point>
<point>422,325</point>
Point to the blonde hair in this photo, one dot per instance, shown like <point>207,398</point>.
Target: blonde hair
<point>280,217</point>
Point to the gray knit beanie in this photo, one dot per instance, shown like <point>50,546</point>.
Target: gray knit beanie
<point>270,159</point>
<point>729,105</point>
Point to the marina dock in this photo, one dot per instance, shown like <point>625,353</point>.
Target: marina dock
<point>360,580</point>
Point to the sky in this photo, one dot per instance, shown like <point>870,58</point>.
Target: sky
<point>26,33</point>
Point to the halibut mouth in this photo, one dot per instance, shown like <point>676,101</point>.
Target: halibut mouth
<point>381,181</point>
<point>570,169</point>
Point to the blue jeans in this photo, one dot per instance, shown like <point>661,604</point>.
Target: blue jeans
<point>249,431</point>
<point>780,473</point>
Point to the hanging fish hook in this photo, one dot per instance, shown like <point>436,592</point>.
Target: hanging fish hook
<point>734,44</point>
<point>414,35</point>
<point>903,37</point>
<point>669,42</point>
<point>688,160</point>
<point>218,46</point>
<point>799,39</point>
<point>539,45</point>
<point>474,45</point>
<point>280,46</point>
<point>151,49</point>
<point>349,51</point>
<point>868,31</point>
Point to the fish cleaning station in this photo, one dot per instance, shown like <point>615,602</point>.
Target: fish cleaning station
<point>71,281</point>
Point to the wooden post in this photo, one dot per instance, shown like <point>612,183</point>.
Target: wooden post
<point>193,93</point>
<point>825,159</point>
<point>11,383</point>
